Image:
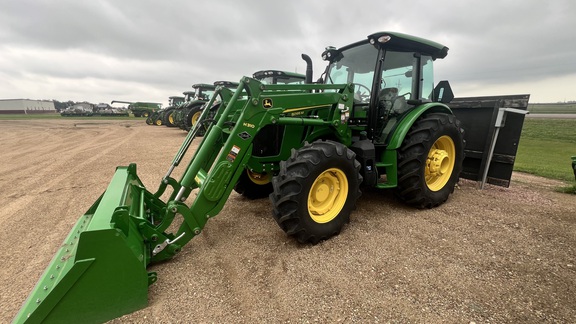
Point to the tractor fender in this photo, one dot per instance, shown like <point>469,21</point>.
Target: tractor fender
<point>410,118</point>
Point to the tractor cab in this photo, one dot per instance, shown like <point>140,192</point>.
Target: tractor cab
<point>188,95</point>
<point>203,91</point>
<point>392,73</point>
<point>175,101</point>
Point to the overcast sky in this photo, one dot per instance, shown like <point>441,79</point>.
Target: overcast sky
<point>148,50</point>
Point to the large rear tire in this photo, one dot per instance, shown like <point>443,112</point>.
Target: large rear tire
<point>430,160</point>
<point>168,118</point>
<point>254,185</point>
<point>316,190</point>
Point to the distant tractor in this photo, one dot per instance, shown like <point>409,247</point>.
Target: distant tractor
<point>185,116</point>
<point>169,113</point>
<point>157,117</point>
<point>141,109</point>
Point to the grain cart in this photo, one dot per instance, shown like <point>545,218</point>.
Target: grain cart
<point>157,117</point>
<point>375,121</point>
<point>140,109</point>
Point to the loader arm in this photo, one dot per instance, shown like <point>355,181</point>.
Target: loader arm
<point>100,273</point>
<point>226,148</point>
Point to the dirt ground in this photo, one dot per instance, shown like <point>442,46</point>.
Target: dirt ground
<point>498,255</point>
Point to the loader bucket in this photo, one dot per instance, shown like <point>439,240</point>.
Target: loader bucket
<point>99,272</point>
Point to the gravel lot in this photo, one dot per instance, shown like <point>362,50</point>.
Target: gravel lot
<point>498,255</point>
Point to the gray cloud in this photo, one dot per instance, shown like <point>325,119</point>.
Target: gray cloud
<point>149,50</point>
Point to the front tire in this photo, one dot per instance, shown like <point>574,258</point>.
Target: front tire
<point>192,117</point>
<point>168,118</point>
<point>430,160</point>
<point>316,190</point>
<point>254,185</point>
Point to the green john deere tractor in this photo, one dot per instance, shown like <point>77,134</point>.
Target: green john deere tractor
<point>196,111</point>
<point>140,109</point>
<point>170,112</point>
<point>184,115</point>
<point>375,120</point>
<point>157,117</point>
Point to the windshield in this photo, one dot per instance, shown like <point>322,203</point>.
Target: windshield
<point>355,65</point>
<point>203,94</point>
<point>289,80</point>
<point>267,80</point>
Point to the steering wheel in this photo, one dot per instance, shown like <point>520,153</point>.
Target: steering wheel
<point>362,96</point>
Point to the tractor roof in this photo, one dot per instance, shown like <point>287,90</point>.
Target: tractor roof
<point>204,86</point>
<point>396,41</point>
<point>227,84</point>
<point>175,97</point>
<point>277,73</point>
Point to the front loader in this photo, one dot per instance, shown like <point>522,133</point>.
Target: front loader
<point>375,120</point>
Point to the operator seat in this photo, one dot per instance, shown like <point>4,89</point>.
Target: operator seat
<point>390,105</point>
<point>390,102</point>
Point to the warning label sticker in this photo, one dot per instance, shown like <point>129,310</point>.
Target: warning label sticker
<point>233,153</point>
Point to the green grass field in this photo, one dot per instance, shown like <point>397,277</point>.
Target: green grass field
<point>545,148</point>
<point>550,108</point>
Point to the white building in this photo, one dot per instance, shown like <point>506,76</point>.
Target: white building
<point>26,106</point>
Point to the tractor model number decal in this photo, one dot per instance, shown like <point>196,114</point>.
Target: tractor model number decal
<point>233,153</point>
<point>267,103</point>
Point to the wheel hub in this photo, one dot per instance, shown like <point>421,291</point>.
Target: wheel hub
<point>327,195</point>
<point>195,118</point>
<point>259,178</point>
<point>440,163</point>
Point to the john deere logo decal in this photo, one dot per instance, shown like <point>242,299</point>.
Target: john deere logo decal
<point>267,103</point>
<point>244,135</point>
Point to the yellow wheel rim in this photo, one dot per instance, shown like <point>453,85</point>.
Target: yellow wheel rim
<point>195,117</point>
<point>259,178</point>
<point>158,122</point>
<point>440,163</point>
<point>171,119</point>
<point>145,114</point>
<point>327,195</point>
